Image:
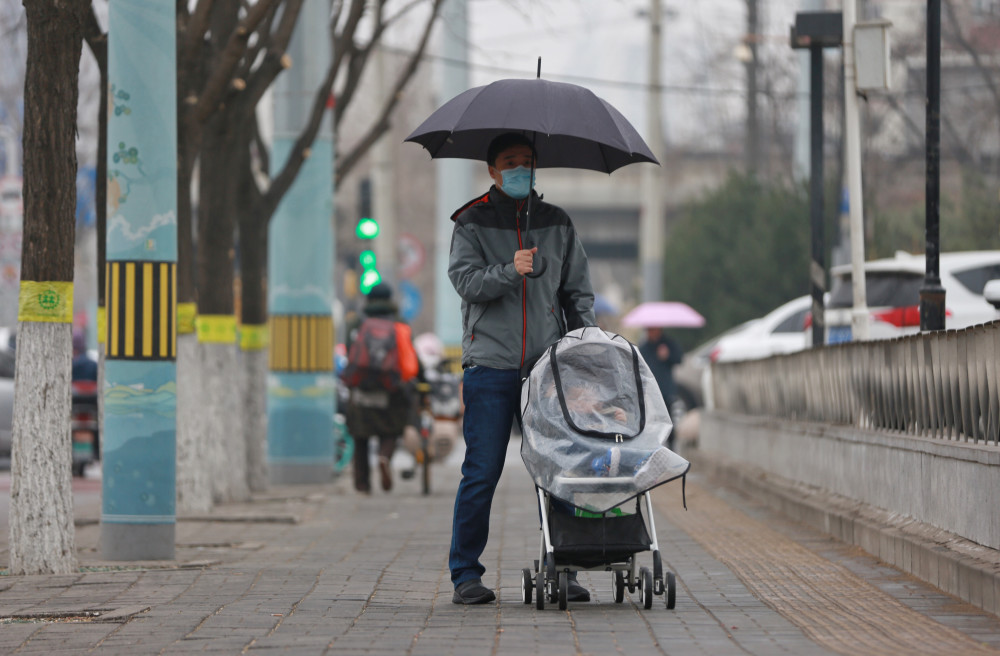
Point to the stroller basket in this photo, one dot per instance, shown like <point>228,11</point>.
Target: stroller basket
<point>591,542</point>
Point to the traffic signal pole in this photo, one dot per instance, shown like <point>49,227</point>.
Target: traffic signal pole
<point>301,387</point>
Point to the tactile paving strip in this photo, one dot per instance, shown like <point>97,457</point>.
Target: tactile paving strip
<point>832,605</point>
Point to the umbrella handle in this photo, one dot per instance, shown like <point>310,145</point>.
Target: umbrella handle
<point>538,267</point>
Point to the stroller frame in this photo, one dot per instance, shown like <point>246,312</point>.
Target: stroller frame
<point>550,578</point>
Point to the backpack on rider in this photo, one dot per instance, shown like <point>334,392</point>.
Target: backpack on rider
<point>381,357</point>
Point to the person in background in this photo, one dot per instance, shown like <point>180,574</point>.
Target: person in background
<point>382,414</point>
<point>661,352</point>
<point>84,367</point>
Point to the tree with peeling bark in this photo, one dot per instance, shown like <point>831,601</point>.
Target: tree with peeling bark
<point>42,538</point>
<point>228,56</point>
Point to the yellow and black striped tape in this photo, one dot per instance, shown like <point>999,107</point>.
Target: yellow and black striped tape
<point>301,342</point>
<point>141,299</point>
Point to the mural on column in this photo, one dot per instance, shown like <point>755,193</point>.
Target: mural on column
<point>301,387</point>
<point>140,396</point>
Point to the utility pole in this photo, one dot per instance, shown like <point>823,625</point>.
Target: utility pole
<point>852,138</point>
<point>932,294</point>
<point>651,228</point>
<point>752,153</point>
<point>455,178</point>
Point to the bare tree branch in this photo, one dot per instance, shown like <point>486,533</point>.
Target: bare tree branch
<point>347,162</point>
<point>274,62</point>
<point>282,182</point>
<point>197,27</point>
<point>96,39</point>
<point>977,61</point>
<point>258,45</point>
<point>222,72</point>
<point>357,63</point>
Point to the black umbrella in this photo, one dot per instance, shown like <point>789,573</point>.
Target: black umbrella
<point>569,126</point>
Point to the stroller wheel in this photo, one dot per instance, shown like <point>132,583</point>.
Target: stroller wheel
<point>551,577</point>
<point>540,590</point>
<point>657,573</point>
<point>563,589</point>
<point>646,587</point>
<point>618,586</point>
<point>671,591</point>
<point>526,585</point>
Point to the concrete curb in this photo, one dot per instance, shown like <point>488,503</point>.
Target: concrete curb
<point>951,563</point>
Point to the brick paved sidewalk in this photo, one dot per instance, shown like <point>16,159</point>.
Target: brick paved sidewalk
<point>319,570</point>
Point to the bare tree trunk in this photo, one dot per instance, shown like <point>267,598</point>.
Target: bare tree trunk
<point>254,375</point>
<point>253,310</point>
<point>42,538</point>
<point>220,420</point>
<point>194,483</point>
<point>42,535</point>
<point>98,43</point>
<point>194,488</point>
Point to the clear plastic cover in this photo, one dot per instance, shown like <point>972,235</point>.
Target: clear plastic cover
<point>594,424</point>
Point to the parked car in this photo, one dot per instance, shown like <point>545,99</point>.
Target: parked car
<point>893,289</point>
<point>6,405</point>
<point>688,374</point>
<point>782,330</point>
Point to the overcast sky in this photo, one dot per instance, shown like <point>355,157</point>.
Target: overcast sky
<point>603,44</point>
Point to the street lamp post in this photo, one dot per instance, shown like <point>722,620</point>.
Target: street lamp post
<point>932,293</point>
<point>816,30</point>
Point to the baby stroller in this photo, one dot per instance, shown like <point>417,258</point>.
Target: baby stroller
<point>594,428</point>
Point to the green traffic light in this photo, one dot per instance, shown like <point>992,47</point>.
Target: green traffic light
<point>367,260</point>
<point>367,228</point>
<point>369,279</point>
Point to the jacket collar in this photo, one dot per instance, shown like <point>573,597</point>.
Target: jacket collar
<point>505,203</point>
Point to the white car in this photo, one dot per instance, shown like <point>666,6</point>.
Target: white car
<point>893,290</point>
<point>782,330</point>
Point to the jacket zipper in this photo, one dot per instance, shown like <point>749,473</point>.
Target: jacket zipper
<point>524,291</point>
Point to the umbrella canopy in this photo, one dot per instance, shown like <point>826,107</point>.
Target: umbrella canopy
<point>662,314</point>
<point>570,125</point>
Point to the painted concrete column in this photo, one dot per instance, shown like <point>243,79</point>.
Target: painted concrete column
<point>301,386</point>
<point>456,182</point>
<point>140,396</point>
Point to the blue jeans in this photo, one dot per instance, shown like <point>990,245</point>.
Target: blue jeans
<point>491,400</point>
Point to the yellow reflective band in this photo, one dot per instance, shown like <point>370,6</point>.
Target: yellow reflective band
<point>186,313</point>
<point>253,337</point>
<point>102,324</point>
<point>216,328</point>
<point>49,301</point>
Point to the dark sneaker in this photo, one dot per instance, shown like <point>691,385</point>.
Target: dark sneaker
<point>575,591</point>
<point>474,592</point>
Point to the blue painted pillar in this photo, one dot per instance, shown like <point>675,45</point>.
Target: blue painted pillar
<point>301,387</point>
<point>140,397</point>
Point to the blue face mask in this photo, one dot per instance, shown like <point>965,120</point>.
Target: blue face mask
<point>517,182</point>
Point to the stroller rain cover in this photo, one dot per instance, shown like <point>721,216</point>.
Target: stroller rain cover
<point>594,424</point>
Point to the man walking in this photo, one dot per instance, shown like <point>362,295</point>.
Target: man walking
<point>517,299</point>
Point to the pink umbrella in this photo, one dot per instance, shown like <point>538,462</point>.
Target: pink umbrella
<point>662,314</point>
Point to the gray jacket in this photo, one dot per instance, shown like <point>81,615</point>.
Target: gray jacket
<point>509,320</point>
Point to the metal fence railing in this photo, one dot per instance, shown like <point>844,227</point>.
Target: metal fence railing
<point>943,385</point>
